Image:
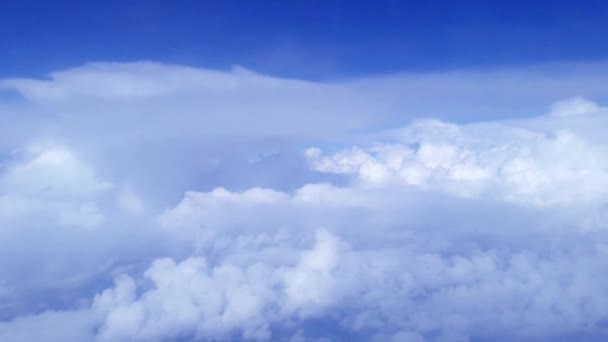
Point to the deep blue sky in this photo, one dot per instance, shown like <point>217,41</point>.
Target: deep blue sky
<point>309,39</point>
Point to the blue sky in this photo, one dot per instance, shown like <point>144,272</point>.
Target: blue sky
<point>305,171</point>
<point>333,39</point>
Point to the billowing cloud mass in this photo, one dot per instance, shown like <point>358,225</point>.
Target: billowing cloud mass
<point>150,202</point>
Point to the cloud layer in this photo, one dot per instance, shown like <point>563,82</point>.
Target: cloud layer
<point>150,202</point>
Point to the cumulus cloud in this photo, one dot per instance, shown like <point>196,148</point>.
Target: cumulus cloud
<point>155,216</point>
<point>58,222</point>
<point>430,275</point>
<point>52,181</point>
<point>514,161</point>
<point>192,298</point>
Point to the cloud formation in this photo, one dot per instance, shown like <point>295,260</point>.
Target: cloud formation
<point>150,202</point>
<point>516,160</point>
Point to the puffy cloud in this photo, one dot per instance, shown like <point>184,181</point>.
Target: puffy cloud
<point>50,180</point>
<point>513,161</point>
<point>415,267</point>
<point>309,285</point>
<point>428,269</point>
<point>194,299</point>
<point>185,126</point>
<point>59,228</point>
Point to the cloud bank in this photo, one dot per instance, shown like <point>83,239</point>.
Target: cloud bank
<point>150,202</point>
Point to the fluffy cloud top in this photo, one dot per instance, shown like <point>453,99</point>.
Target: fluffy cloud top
<point>514,161</point>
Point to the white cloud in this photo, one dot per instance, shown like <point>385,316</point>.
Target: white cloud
<point>514,161</point>
<point>414,266</point>
<point>118,103</point>
<point>50,171</point>
<point>50,181</point>
<point>441,230</point>
<point>309,285</point>
<point>59,229</point>
<point>192,298</point>
<point>574,106</point>
<point>174,102</point>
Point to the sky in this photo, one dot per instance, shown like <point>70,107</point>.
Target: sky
<point>304,171</point>
<point>303,39</point>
